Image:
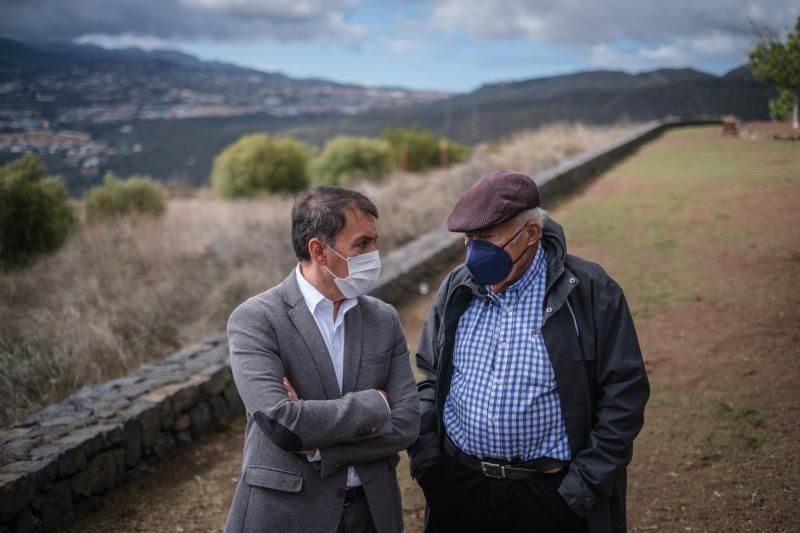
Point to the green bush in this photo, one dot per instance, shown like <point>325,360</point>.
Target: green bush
<point>780,107</point>
<point>348,159</point>
<point>416,149</point>
<point>261,163</point>
<point>117,197</point>
<point>35,217</point>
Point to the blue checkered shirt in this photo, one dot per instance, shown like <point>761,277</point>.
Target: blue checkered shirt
<point>503,401</point>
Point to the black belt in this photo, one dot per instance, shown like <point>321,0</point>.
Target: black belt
<point>351,494</point>
<point>503,470</point>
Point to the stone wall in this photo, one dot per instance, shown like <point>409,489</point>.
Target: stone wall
<point>56,462</point>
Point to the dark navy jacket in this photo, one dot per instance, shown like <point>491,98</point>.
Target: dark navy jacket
<point>602,383</point>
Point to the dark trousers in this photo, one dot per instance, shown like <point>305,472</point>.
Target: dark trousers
<point>464,500</point>
<point>356,517</point>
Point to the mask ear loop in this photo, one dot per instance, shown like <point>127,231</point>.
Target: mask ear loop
<point>515,235</point>
<point>514,262</point>
<point>331,248</point>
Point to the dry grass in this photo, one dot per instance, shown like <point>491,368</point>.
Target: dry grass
<point>120,294</point>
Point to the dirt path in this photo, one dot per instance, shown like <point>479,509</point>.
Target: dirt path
<point>702,233</point>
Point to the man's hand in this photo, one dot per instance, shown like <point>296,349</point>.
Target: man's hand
<point>290,390</point>
<point>293,397</point>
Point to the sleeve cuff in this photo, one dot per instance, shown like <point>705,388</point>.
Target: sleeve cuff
<point>385,401</point>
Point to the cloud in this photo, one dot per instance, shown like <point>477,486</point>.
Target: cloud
<point>179,19</point>
<point>125,40</point>
<point>682,52</point>
<point>583,22</point>
<point>633,35</point>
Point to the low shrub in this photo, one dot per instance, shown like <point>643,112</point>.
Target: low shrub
<point>117,197</point>
<point>260,163</point>
<point>35,216</point>
<point>346,160</point>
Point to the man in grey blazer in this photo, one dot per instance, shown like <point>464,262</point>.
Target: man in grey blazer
<point>325,377</point>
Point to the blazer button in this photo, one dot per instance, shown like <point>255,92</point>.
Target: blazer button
<point>339,466</point>
<point>374,429</point>
<point>549,309</point>
<point>588,500</point>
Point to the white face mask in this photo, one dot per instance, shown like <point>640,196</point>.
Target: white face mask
<point>363,272</point>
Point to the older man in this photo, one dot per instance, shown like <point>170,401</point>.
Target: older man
<point>324,374</point>
<point>534,383</point>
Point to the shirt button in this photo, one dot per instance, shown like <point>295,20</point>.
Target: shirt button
<point>504,344</point>
<point>498,382</point>
<point>493,418</point>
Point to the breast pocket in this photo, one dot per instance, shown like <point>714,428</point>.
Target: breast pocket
<point>374,369</point>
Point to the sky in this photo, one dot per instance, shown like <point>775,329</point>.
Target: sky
<point>447,45</point>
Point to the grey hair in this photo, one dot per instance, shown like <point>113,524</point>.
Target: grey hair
<point>535,213</point>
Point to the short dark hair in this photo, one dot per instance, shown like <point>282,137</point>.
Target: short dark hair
<point>322,213</point>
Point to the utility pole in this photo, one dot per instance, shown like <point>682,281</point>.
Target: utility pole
<point>448,117</point>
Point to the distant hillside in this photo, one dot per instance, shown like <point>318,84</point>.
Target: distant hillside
<point>184,149</point>
<point>72,83</point>
<point>148,83</point>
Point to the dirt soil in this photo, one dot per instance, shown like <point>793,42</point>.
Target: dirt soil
<point>719,451</point>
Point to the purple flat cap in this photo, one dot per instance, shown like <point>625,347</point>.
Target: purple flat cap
<point>495,197</point>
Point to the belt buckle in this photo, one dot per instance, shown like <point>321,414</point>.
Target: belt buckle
<point>493,470</point>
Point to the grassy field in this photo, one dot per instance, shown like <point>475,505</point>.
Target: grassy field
<point>120,294</point>
<point>701,233</point>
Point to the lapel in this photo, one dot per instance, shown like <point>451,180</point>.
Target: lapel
<point>307,329</point>
<point>352,348</point>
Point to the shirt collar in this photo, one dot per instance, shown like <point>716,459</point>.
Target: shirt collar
<point>314,298</point>
<point>523,284</point>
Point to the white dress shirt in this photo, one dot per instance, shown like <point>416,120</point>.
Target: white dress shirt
<point>332,332</point>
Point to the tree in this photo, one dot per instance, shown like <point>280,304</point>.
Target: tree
<point>35,216</point>
<point>778,63</point>
<point>781,106</point>
<point>261,163</point>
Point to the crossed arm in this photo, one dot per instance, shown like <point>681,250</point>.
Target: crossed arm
<point>401,392</point>
<point>336,427</point>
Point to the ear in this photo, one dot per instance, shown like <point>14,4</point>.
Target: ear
<point>534,232</point>
<point>317,251</point>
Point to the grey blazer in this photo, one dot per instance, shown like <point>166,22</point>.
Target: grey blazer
<point>273,335</point>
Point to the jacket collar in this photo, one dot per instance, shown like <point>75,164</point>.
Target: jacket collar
<point>309,332</point>
<point>555,243</point>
